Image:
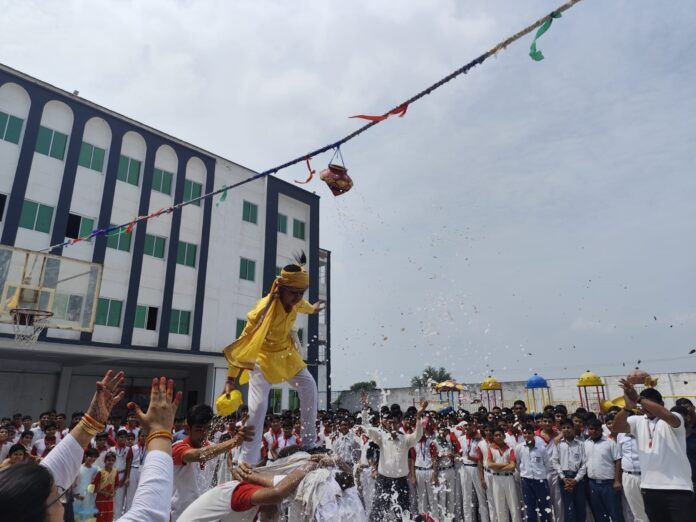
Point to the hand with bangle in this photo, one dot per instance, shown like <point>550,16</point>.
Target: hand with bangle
<point>158,420</point>
<point>106,396</point>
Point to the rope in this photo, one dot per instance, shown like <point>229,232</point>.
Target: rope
<point>336,145</point>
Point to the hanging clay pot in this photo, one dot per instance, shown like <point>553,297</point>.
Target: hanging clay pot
<point>337,178</point>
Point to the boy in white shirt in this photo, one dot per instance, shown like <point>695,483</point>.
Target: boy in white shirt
<point>501,465</point>
<point>604,474</point>
<point>533,465</point>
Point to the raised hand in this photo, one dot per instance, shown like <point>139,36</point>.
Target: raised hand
<point>319,306</point>
<point>630,393</point>
<point>162,408</point>
<point>106,396</point>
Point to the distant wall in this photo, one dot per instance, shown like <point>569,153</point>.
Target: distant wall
<point>562,391</point>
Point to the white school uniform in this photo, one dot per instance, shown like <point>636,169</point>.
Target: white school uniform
<point>505,490</point>
<point>482,451</point>
<point>470,482</point>
<point>426,451</point>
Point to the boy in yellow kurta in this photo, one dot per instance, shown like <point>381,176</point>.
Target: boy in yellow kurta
<point>266,350</point>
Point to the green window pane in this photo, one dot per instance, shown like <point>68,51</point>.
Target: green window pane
<point>187,190</point>
<point>60,305</point>
<point>196,191</point>
<point>134,172</point>
<point>184,320</point>
<point>28,216</point>
<point>149,247</point>
<point>124,242</point>
<point>242,268</point>
<point>98,159</point>
<point>298,229</point>
<point>112,238</point>
<point>191,255</point>
<point>86,226</point>
<point>241,323</point>
<point>174,322</point>
<point>140,313</point>
<point>122,174</point>
<point>60,141</point>
<point>282,223</point>
<point>14,129</point>
<point>43,141</point>
<point>166,182</point>
<point>3,123</point>
<point>254,213</point>
<point>44,219</point>
<point>85,155</point>
<point>114,318</point>
<point>157,180</point>
<point>181,253</point>
<point>102,311</point>
<point>160,243</point>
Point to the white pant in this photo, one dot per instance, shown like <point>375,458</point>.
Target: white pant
<point>258,404</point>
<point>631,489</point>
<point>556,500</point>
<point>368,487</point>
<point>132,486</point>
<point>470,483</point>
<point>506,498</point>
<point>425,494</point>
<point>489,497</point>
<point>119,498</point>
<point>445,494</point>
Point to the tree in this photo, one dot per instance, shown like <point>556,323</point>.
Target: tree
<point>429,376</point>
<point>364,385</point>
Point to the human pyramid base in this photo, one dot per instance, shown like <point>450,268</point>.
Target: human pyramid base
<point>635,463</point>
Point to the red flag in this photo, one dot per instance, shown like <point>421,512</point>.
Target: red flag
<point>399,111</point>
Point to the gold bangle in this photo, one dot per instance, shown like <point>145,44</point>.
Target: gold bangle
<point>161,434</point>
<point>91,426</point>
<point>88,427</point>
<point>95,423</point>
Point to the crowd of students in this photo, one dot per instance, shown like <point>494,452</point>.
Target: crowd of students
<point>637,463</point>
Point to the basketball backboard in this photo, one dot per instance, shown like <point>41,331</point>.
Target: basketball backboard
<point>66,288</point>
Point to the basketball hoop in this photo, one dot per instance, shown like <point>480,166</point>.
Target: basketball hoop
<point>29,323</point>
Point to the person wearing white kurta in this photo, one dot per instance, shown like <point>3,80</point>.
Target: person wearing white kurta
<point>482,452</point>
<point>501,463</point>
<point>426,455</point>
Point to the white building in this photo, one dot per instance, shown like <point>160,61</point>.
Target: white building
<point>176,290</point>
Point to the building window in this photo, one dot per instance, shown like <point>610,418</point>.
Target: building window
<point>78,226</point>
<point>186,254</point>
<point>154,246</point>
<point>241,324</point>
<point>3,200</point>
<point>247,269</point>
<point>10,127</point>
<point>109,312</point>
<point>250,212</point>
<point>118,239</point>
<point>162,181</point>
<point>293,400</point>
<point>92,157</point>
<point>145,317</point>
<point>179,322</point>
<point>282,224</point>
<point>275,400</point>
<point>68,307</point>
<point>192,190</point>
<point>36,216</point>
<point>128,170</point>
<point>300,336</point>
<point>298,229</point>
<point>51,143</point>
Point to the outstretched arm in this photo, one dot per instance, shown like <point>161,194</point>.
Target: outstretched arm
<point>246,433</point>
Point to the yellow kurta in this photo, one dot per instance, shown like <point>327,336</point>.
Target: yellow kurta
<point>275,353</point>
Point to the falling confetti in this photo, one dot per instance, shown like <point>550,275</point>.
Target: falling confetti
<point>692,351</point>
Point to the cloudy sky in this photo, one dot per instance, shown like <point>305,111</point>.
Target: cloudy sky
<point>525,217</point>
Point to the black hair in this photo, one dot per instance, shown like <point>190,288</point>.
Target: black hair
<point>581,410</point>
<point>652,395</point>
<point>121,433</point>
<point>60,415</point>
<point>561,408</point>
<point>344,480</point>
<point>102,435</point>
<point>595,423</point>
<point>48,413</point>
<point>547,415</point>
<point>24,490</point>
<point>683,401</point>
<point>109,455</point>
<point>16,415</point>
<point>200,414</point>
<point>25,433</point>
<point>17,447</point>
<point>77,414</point>
<point>519,402</point>
<point>498,429</point>
<point>50,425</point>
<point>91,452</point>
<point>567,422</point>
<point>549,408</point>
<point>26,417</point>
<point>528,427</point>
<point>681,410</point>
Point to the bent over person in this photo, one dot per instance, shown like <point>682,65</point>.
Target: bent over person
<point>267,351</point>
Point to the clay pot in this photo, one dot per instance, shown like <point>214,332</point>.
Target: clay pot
<point>337,178</point>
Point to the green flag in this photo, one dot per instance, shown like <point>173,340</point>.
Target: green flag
<point>535,54</point>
